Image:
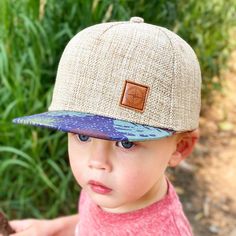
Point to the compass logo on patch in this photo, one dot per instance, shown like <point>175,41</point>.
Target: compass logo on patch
<point>134,96</point>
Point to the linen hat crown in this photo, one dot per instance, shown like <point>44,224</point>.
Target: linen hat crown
<point>125,80</point>
<point>98,60</point>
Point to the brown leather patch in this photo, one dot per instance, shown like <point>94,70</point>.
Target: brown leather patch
<point>134,96</point>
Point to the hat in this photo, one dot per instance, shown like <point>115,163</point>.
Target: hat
<point>125,80</point>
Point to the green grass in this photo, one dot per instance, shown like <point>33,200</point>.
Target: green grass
<point>35,178</point>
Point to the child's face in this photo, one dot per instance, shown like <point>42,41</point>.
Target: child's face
<point>120,176</point>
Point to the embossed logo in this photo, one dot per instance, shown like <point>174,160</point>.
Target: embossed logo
<point>134,96</point>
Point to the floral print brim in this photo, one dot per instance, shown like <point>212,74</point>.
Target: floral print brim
<point>94,125</point>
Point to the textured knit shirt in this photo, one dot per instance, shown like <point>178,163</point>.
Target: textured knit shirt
<point>162,218</point>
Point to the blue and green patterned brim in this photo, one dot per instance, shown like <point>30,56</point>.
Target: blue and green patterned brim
<point>94,125</point>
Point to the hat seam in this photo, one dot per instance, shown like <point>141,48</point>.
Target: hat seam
<point>170,120</point>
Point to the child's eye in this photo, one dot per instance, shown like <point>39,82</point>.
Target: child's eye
<point>125,144</point>
<point>82,138</point>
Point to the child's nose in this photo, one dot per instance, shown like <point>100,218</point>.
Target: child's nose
<point>99,157</point>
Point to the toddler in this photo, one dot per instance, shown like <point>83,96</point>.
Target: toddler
<point>128,95</point>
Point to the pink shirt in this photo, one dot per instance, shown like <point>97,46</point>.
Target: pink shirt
<point>163,218</point>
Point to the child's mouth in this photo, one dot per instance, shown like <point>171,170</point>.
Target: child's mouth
<point>99,187</point>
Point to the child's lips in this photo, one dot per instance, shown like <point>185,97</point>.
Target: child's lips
<point>98,187</point>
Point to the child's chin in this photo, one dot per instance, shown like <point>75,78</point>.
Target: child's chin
<point>105,202</point>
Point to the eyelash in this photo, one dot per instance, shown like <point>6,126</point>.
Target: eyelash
<point>81,136</point>
<point>132,144</point>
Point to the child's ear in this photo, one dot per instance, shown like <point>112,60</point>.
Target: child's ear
<point>184,147</point>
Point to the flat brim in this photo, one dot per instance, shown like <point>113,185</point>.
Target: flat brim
<point>94,126</point>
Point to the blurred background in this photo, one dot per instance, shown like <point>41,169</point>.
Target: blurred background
<point>35,179</point>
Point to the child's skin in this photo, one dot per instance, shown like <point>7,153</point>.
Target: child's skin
<point>133,175</point>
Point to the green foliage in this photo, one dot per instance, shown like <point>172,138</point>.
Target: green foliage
<point>35,179</point>
<point>207,29</point>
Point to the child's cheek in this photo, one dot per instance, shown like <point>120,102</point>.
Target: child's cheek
<point>77,170</point>
<point>130,181</point>
<point>135,183</point>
